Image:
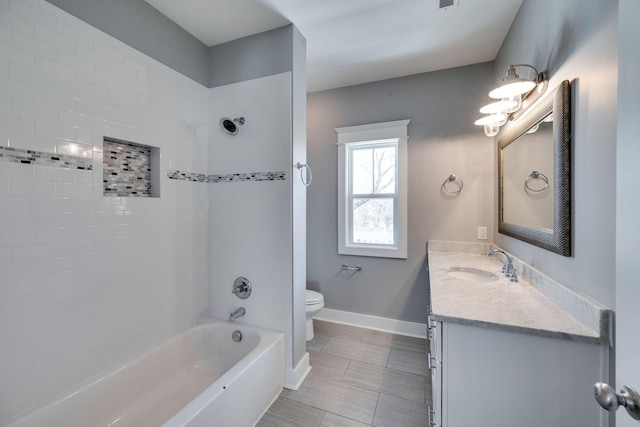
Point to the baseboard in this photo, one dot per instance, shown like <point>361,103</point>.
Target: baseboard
<point>400,327</point>
<point>293,378</point>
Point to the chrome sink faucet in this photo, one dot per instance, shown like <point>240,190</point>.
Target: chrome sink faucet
<point>239,312</point>
<point>507,267</point>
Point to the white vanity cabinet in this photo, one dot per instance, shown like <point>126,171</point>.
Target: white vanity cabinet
<point>434,363</point>
<point>486,377</point>
<point>511,354</point>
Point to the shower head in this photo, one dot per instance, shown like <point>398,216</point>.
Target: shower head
<point>229,126</point>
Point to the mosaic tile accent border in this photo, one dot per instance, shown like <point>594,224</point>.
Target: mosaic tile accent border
<point>127,169</point>
<point>188,176</point>
<point>43,158</point>
<point>232,177</point>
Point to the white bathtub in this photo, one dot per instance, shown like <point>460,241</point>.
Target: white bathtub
<point>199,378</point>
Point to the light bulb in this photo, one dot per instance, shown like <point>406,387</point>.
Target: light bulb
<point>497,118</point>
<point>515,102</point>
<point>502,106</point>
<point>491,129</point>
<point>534,128</point>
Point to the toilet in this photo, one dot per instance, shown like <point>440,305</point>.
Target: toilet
<point>315,301</point>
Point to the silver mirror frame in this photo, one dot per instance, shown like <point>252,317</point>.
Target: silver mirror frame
<point>557,240</point>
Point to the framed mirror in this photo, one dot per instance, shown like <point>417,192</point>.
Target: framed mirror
<point>534,171</point>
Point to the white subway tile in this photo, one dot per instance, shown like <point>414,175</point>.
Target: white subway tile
<point>23,106</point>
<point>5,32</point>
<point>74,34</point>
<point>45,111</point>
<point>55,39</point>
<point>101,61</point>
<point>54,69</point>
<point>48,205</point>
<point>16,20</point>
<point>17,122</point>
<point>5,289</point>
<point>15,55</point>
<point>16,407</point>
<point>92,86</point>
<point>34,13</point>
<point>20,254</point>
<point>15,238</point>
<point>85,137</point>
<point>21,187</point>
<point>110,77</point>
<point>31,78</point>
<point>84,177</point>
<point>121,68</point>
<point>16,220</point>
<point>46,173</point>
<point>16,305</point>
<point>5,100</point>
<point>4,69</point>
<point>5,186</point>
<point>78,64</point>
<point>53,234</point>
<point>73,148</point>
<point>33,45</point>
<point>45,189</point>
<point>26,140</point>
<point>66,293</point>
<point>135,86</point>
<point>10,205</point>
<point>34,285</point>
<point>74,190</point>
<point>57,265</point>
<point>109,49</point>
<point>54,131</point>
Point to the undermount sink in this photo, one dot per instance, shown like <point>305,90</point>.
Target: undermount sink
<point>472,274</point>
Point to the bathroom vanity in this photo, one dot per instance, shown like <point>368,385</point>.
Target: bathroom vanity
<point>505,353</point>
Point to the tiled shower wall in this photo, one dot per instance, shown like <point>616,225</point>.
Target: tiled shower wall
<point>88,281</point>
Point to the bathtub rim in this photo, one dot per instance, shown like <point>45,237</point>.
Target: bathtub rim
<point>268,338</point>
<point>263,334</point>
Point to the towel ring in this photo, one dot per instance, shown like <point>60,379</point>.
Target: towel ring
<point>302,167</point>
<point>455,180</point>
<point>534,176</point>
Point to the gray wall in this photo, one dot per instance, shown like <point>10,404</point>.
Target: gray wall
<point>577,40</point>
<point>142,27</point>
<point>251,57</point>
<point>442,106</point>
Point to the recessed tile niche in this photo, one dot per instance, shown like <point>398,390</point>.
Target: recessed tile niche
<point>130,169</point>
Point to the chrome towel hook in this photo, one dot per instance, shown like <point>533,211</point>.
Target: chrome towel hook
<point>305,177</point>
<point>454,181</point>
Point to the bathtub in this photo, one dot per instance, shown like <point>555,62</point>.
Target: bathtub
<point>199,378</point>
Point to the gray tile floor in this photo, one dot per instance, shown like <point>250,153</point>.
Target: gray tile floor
<point>359,377</point>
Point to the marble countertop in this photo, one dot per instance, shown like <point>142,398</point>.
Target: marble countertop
<point>534,305</point>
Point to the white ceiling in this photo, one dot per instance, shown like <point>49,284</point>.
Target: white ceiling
<point>357,41</point>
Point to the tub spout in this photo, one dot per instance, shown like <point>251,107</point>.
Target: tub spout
<point>236,314</point>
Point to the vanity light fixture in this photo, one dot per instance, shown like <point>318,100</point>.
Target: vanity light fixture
<point>511,94</point>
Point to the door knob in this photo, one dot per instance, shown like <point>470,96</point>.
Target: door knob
<point>628,397</point>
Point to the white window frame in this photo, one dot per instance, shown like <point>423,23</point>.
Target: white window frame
<point>371,134</point>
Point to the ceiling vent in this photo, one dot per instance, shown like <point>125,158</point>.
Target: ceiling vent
<point>446,4</point>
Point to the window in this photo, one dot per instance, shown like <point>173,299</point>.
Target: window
<point>372,190</point>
